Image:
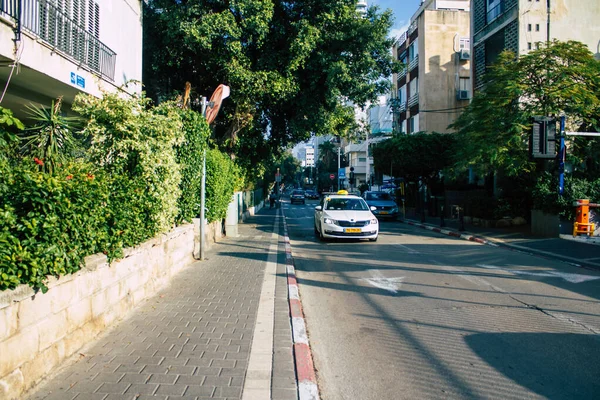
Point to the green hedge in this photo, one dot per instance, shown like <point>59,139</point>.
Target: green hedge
<point>140,176</point>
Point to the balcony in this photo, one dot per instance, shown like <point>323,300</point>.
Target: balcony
<point>398,105</point>
<point>401,39</point>
<point>414,63</point>
<point>412,28</point>
<point>402,73</point>
<point>414,100</point>
<point>44,20</point>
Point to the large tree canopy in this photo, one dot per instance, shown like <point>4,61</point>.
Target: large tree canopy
<point>494,130</point>
<point>290,65</point>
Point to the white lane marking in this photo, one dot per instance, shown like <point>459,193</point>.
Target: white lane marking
<point>573,278</point>
<point>408,249</point>
<point>380,281</point>
<point>299,330</point>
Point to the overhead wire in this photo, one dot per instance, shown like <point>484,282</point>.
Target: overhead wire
<point>18,55</point>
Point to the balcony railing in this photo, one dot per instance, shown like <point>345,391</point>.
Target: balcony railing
<point>495,12</point>
<point>412,28</point>
<point>414,100</point>
<point>401,39</point>
<point>398,105</point>
<point>402,73</point>
<point>54,27</point>
<point>413,63</point>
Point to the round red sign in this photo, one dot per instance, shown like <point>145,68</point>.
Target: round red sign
<point>332,176</point>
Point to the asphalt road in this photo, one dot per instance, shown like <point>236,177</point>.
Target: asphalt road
<point>418,315</point>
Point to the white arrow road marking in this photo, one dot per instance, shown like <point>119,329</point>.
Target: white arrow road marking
<point>573,278</point>
<point>381,282</point>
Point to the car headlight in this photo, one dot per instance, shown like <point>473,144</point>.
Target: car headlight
<point>373,221</point>
<point>330,221</point>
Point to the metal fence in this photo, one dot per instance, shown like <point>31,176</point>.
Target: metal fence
<point>53,26</point>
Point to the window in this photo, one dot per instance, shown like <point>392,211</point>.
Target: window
<point>413,124</point>
<point>413,50</point>
<point>414,86</point>
<point>529,43</point>
<point>362,159</point>
<point>528,27</point>
<point>402,93</point>
<point>537,27</point>
<point>494,9</point>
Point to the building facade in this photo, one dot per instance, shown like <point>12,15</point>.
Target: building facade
<point>430,91</point>
<point>59,48</point>
<point>522,25</point>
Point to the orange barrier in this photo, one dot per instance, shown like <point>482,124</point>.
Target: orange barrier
<point>582,223</point>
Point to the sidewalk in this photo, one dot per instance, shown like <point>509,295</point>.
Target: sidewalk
<point>578,251</point>
<point>221,330</point>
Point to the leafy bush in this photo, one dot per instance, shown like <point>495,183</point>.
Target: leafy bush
<point>50,222</point>
<point>189,156</point>
<point>222,177</point>
<point>134,144</point>
<point>546,198</point>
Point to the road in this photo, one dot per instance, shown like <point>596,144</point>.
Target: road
<point>418,315</point>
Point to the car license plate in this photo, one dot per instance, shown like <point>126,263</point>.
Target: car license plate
<point>383,212</point>
<point>352,230</point>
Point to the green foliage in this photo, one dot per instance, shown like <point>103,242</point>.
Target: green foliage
<point>189,156</point>
<point>135,145</point>
<point>222,177</point>
<point>288,66</point>
<point>546,198</point>
<point>50,222</point>
<point>51,139</point>
<point>422,155</point>
<point>9,126</point>
<point>495,128</point>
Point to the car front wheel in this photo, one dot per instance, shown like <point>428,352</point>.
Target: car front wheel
<point>374,239</point>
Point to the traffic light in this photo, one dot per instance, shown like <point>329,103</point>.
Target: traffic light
<point>543,138</point>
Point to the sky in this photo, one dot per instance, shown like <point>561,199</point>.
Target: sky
<point>403,10</point>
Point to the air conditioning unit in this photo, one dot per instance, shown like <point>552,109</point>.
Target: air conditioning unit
<point>463,95</point>
<point>464,54</point>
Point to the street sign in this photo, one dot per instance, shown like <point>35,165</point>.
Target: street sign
<point>342,173</point>
<point>332,176</point>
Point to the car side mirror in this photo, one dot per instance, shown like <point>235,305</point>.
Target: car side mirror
<point>373,208</point>
<point>319,208</point>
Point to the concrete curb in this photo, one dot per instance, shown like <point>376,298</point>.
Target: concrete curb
<point>305,370</point>
<point>521,249</point>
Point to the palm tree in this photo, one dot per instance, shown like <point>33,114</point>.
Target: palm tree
<point>328,154</point>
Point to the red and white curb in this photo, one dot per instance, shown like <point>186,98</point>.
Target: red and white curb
<point>451,233</point>
<point>305,370</point>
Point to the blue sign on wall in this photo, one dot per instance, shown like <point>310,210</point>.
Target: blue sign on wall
<point>78,80</point>
<point>342,173</point>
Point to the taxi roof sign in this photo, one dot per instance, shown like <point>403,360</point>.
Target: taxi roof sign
<point>342,191</point>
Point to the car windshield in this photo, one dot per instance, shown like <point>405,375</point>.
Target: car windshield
<point>297,192</point>
<point>346,204</point>
<point>378,196</point>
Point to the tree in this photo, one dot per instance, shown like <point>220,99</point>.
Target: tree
<point>494,130</point>
<point>290,65</point>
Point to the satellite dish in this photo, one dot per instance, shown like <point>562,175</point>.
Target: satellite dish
<point>212,109</point>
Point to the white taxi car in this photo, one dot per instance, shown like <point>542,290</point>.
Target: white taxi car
<point>344,216</point>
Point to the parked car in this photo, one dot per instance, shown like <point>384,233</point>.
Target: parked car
<point>385,206</point>
<point>297,196</point>
<point>345,216</point>
<point>311,194</point>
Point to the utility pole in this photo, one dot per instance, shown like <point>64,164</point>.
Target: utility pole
<point>203,192</point>
<point>339,162</point>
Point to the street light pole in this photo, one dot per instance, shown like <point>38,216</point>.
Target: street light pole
<point>203,193</point>
<point>339,163</point>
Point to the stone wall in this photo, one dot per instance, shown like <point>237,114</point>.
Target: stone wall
<point>40,331</point>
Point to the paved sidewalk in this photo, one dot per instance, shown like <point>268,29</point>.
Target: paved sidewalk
<point>194,340</point>
<point>574,251</point>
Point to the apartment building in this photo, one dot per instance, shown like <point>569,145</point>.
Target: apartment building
<point>436,83</point>
<point>522,25</point>
<point>52,48</point>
